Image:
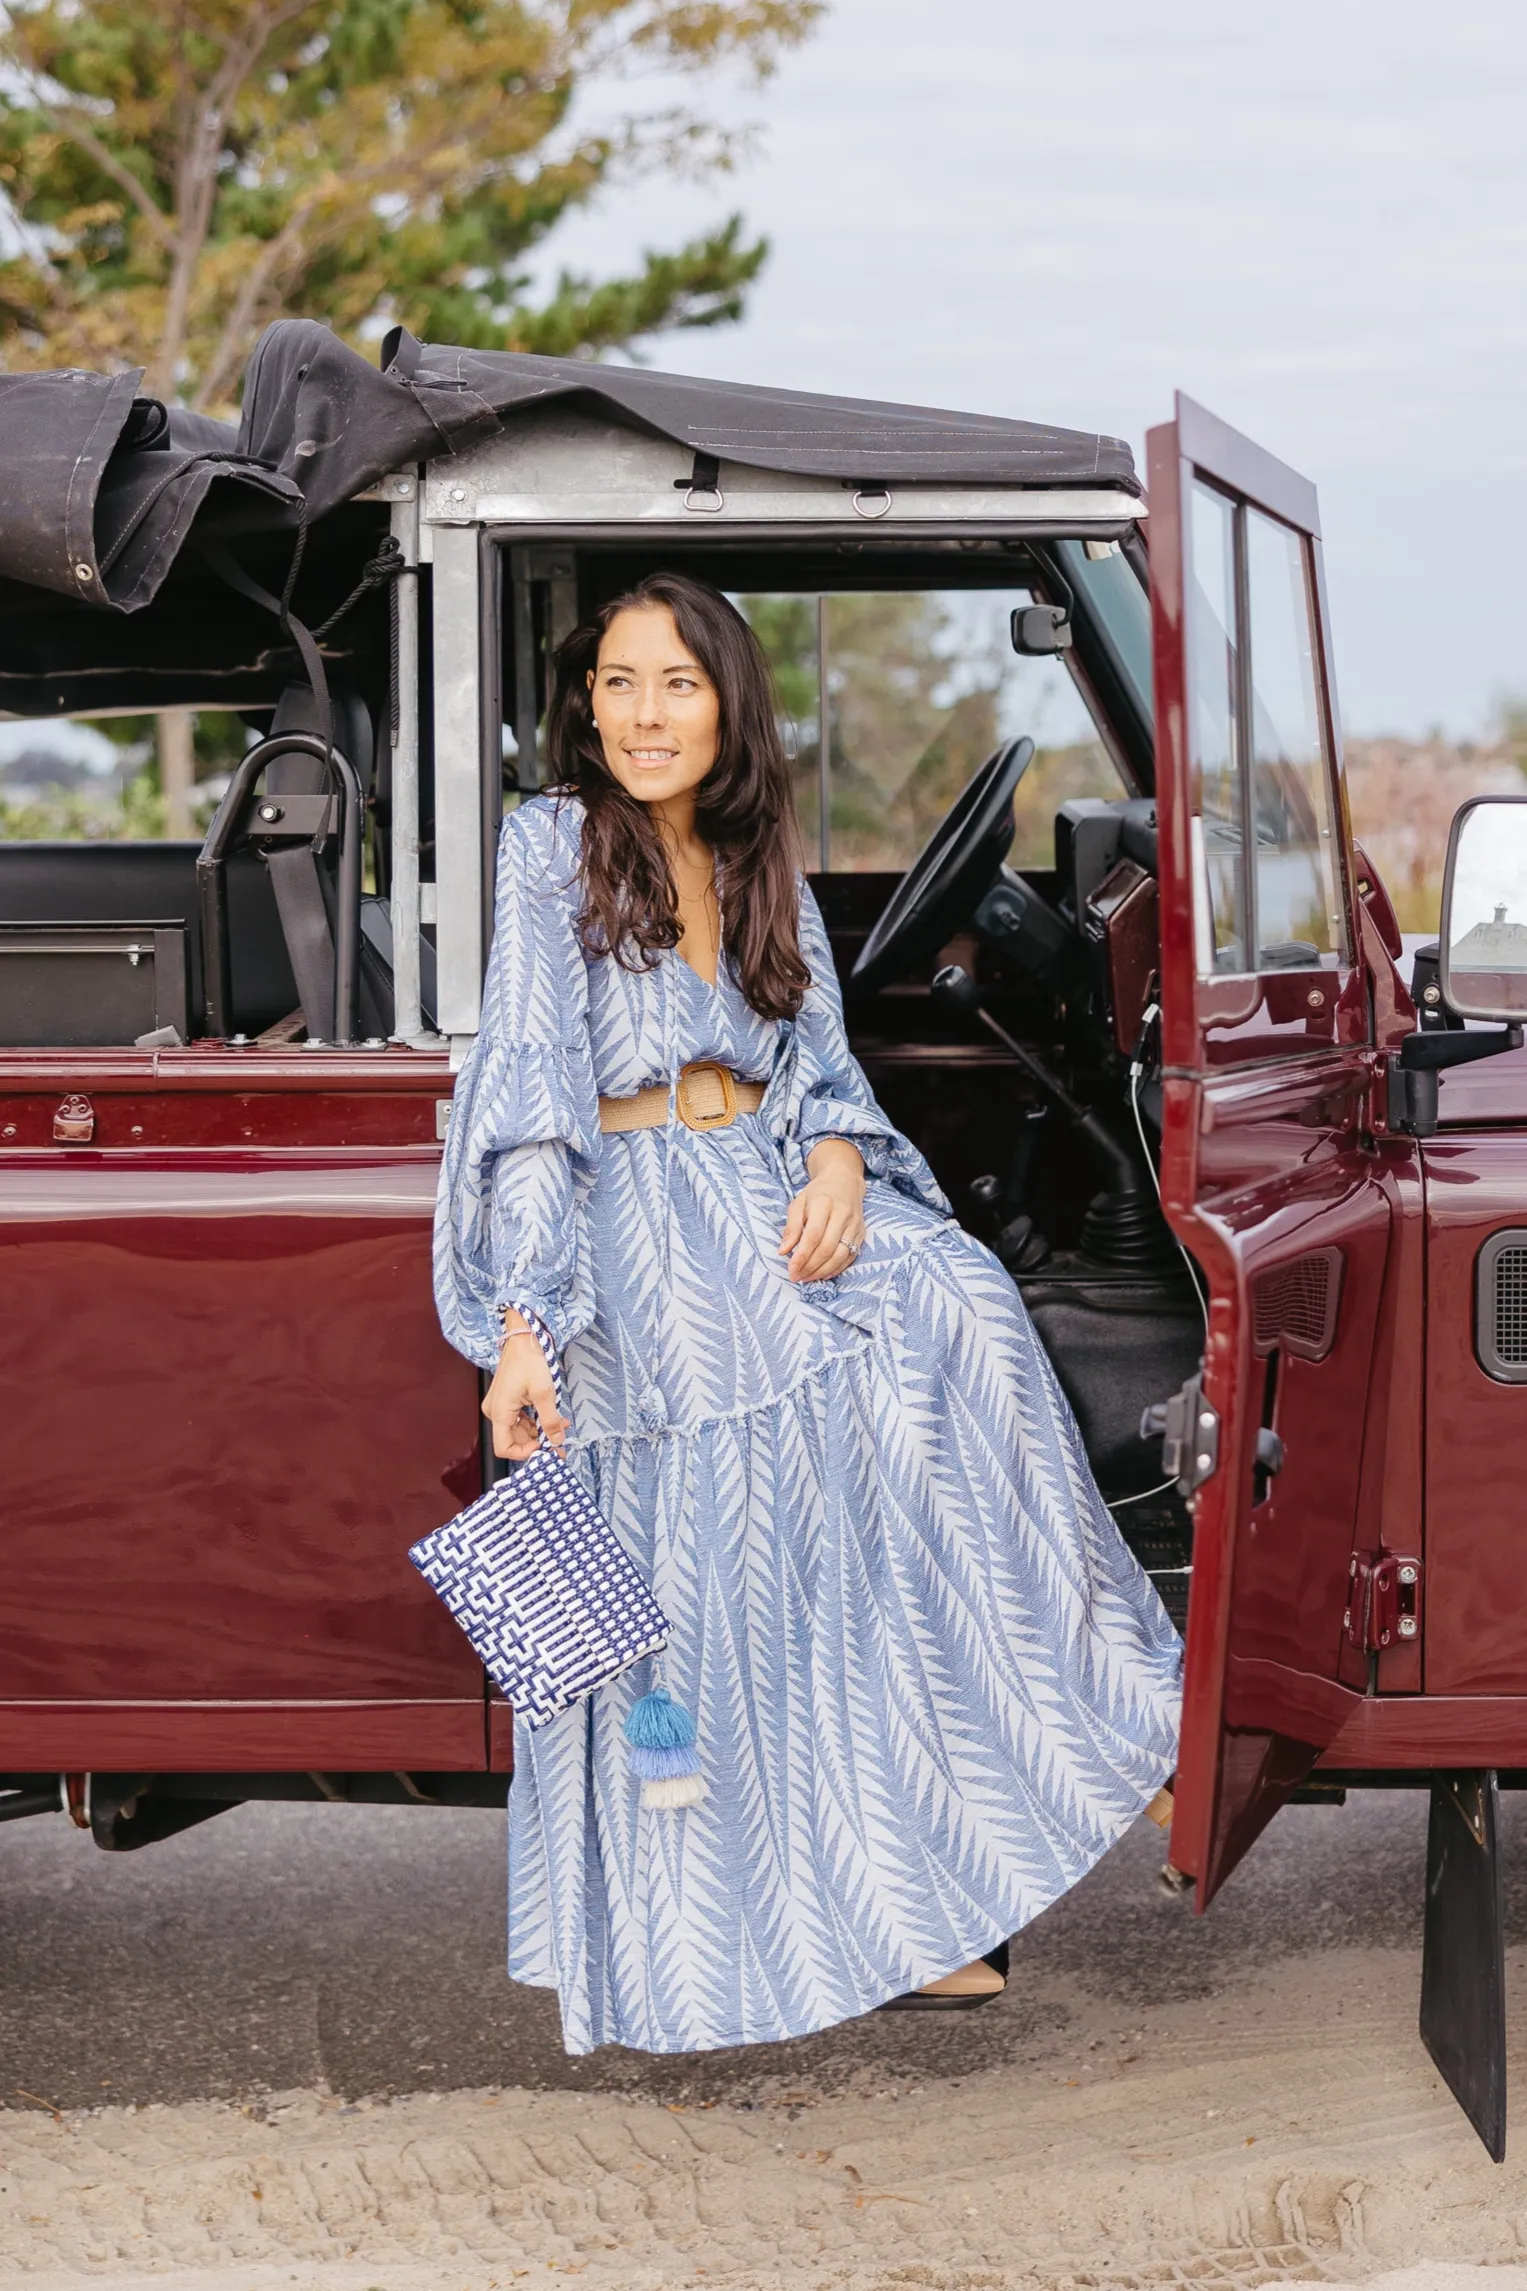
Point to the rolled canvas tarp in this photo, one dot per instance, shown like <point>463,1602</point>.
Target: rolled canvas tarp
<point>102,489</point>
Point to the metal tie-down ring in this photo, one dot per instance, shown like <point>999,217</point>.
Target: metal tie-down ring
<point>704,478</point>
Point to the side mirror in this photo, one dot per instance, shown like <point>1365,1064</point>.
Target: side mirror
<point>1038,630</point>
<point>1484,910</point>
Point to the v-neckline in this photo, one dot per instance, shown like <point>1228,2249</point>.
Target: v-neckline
<point>711,986</point>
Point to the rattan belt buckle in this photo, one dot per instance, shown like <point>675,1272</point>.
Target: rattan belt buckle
<point>693,1116</point>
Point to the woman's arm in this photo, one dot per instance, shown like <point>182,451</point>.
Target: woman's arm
<point>824,1228</point>
<point>521,1402</point>
<point>523,1142</point>
<point>832,1102</point>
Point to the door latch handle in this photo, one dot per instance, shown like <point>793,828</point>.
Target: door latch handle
<point>1188,1428</point>
<point>74,1121</point>
<point>1269,1451</point>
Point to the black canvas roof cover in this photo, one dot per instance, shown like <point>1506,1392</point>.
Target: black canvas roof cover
<point>102,488</point>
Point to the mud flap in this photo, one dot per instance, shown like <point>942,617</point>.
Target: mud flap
<point>1463,1953</point>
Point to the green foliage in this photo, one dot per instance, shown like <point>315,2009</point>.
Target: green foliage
<point>143,817</point>
<point>919,693</point>
<point>128,805</point>
<point>904,738</point>
<point>786,627</point>
<point>63,818</point>
<point>177,179</point>
<point>1057,776</point>
<point>76,816</point>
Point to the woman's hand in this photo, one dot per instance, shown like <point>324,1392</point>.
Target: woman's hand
<point>824,1228</point>
<point>522,1391</point>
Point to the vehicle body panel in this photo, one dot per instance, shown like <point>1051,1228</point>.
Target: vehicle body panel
<point>1492,1092</point>
<point>1477,1429</point>
<point>231,1411</point>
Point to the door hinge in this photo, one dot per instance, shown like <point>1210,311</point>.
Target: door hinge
<point>1187,1426</point>
<point>1383,1601</point>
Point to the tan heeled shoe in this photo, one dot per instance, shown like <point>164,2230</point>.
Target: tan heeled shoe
<point>971,1982</point>
<point>971,1985</point>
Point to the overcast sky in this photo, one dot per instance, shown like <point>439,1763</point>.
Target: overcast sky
<point>1312,216</point>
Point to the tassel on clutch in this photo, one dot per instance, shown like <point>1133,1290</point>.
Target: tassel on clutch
<point>662,1738</point>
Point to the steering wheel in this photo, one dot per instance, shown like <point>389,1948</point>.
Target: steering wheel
<point>950,876</point>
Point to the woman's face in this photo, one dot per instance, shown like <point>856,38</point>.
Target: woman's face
<point>655,708</point>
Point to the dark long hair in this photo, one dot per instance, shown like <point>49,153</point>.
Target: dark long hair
<point>744,807</point>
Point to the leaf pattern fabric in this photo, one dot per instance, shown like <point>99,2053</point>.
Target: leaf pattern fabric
<point>932,1686</point>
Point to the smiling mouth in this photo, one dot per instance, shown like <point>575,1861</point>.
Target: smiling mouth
<point>651,759</point>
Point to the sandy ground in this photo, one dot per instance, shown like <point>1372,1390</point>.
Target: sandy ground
<point>333,2088</point>
<point>1292,2130</point>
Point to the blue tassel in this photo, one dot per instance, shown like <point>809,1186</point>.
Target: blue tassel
<point>663,1765</point>
<point>661,1734</point>
<point>657,1722</point>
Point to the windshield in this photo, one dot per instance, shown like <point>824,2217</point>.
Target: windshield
<point>892,695</point>
<point>912,690</point>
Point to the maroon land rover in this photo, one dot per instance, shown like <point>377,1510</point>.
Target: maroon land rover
<point>1070,776</point>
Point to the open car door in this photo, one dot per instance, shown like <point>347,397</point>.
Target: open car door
<point>1270,1174</point>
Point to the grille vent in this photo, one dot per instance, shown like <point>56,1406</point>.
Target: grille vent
<point>1500,1319</point>
<point>1294,1305</point>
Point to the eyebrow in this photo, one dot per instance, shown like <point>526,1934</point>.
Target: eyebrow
<point>674,668</point>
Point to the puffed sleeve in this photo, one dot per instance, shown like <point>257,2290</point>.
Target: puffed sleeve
<point>522,1149</point>
<point>830,1097</point>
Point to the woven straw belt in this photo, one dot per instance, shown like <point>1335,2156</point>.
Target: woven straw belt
<point>705,1097</point>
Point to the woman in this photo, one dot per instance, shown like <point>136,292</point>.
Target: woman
<point>929,1685</point>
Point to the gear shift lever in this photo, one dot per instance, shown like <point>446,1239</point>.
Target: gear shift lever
<point>1123,1226</point>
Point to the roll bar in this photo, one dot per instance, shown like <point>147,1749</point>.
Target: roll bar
<point>297,817</point>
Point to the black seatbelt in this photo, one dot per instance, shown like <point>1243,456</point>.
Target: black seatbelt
<point>223,562</point>
<point>294,868</point>
<point>304,917</point>
<point>304,910</point>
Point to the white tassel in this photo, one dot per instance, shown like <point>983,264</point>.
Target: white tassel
<point>675,1790</point>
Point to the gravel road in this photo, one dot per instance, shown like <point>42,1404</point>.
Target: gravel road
<point>279,2053</point>
<point>362,1948</point>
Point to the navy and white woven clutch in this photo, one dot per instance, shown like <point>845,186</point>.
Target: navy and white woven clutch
<point>543,1588</point>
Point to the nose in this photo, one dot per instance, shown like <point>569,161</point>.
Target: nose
<point>651,703</point>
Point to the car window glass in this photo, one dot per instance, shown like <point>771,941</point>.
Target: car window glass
<point>1220,876</point>
<point>920,687</point>
<point>1299,919</point>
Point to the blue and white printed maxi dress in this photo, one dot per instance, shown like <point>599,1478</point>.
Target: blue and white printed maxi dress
<point>931,1684</point>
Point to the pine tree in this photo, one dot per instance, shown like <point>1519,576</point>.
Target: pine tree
<point>179,172</point>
